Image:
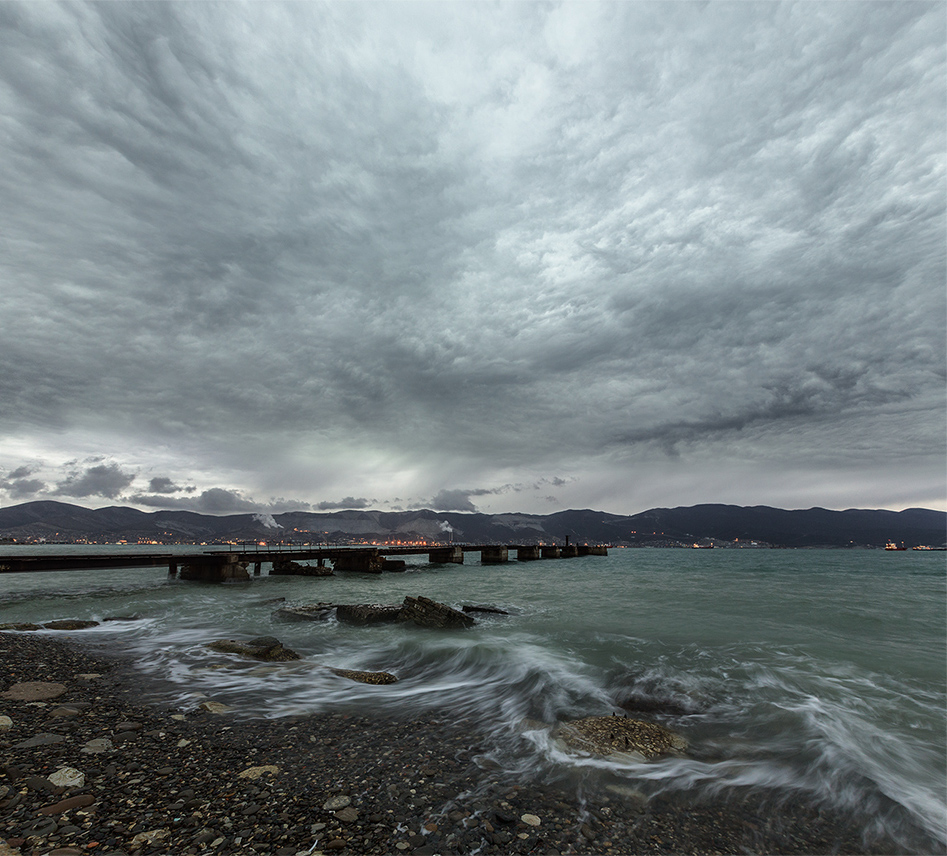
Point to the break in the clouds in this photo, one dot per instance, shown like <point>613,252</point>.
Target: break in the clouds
<point>624,254</point>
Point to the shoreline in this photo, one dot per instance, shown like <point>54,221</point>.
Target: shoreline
<point>174,782</point>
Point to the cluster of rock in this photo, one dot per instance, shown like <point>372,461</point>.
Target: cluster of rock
<point>61,624</point>
<point>420,610</point>
<point>270,650</point>
<point>64,624</point>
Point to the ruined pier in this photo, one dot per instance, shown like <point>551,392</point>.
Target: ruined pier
<point>234,565</point>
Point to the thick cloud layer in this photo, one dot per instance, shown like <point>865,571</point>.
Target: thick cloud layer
<point>505,257</point>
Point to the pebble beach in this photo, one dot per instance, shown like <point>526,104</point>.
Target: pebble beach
<point>94,762</point>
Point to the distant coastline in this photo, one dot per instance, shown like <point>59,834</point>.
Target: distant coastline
<point>709,525</point>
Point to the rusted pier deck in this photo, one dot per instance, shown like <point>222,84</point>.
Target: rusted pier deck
<point>233,564</point>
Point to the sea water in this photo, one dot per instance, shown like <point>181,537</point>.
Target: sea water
<point>813,673</point>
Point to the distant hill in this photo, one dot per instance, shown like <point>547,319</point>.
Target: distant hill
<point>813,527</point>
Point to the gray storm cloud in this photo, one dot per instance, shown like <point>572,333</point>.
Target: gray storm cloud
<point>108,480</point>
<point>324,250</point>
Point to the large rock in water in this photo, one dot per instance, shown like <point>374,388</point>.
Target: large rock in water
<point>367,613</point>
<point>266,648</point>
<point>429,613</point>
<point>618,735</point>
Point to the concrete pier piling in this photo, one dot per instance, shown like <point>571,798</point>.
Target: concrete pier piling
<point>528,554</point>
<point>216,569</point>
<point>446,555</point>
<point>365,561</point>
<point>550,552</point>
<point>494,555</point>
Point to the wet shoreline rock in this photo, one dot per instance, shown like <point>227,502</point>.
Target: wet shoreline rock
<point>420,610</point>
<point>429,613</point>
<point>266,648</point>
<point>365,677</point>
<point>620,735</point>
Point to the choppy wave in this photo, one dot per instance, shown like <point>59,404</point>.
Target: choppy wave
<point>848,718</point>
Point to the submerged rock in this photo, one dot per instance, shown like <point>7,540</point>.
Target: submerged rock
<point>19,625</point>
<point>266,648</point>
<point>310,612</point>
<point>366,677</point>
<point>653,704</point>
<point>619,735</point>
<point>490,609</point>
<point>70,624</point>
<point>429,613</point>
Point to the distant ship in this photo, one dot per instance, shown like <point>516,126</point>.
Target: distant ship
<point>703,547</point>
<point>894,547</point>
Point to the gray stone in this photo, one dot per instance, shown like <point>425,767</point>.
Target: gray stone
<point>34,691</point>
<point>100,744</point>
<point>41,827</point>
<point>40,740</point>
<point>67,777</point>
<point>337,802</point>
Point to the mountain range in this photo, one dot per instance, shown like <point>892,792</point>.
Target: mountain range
<point>813,527</point>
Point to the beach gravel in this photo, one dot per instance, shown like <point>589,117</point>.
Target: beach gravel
<point>165,782</point>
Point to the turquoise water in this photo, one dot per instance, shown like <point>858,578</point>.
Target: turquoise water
<point>817,673</point>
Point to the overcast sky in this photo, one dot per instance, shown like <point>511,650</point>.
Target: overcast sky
<point>494,256</point>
